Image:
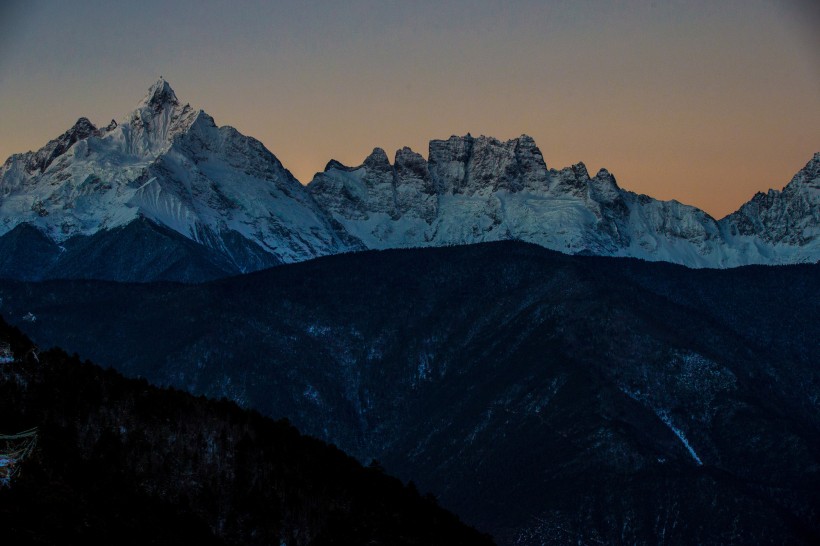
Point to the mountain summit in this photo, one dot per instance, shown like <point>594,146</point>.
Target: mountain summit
<point>168,194</point>
<point>160,94</point>
<point>211,201</point>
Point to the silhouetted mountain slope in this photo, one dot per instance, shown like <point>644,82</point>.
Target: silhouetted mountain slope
<point>137,252</point>
<point>26,253</point>
<point>120,462</point>
<point>541,396</point>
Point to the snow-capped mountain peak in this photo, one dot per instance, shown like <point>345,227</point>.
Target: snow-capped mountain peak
<point>172,165</point>
<point>150,128</point>
<point>159,95</point>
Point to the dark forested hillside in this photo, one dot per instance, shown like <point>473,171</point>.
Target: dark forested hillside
<point>542,397</point>
<point>120,462</point>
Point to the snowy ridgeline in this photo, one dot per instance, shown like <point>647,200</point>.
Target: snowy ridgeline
<point>480,189</point>
<point>171,164</point>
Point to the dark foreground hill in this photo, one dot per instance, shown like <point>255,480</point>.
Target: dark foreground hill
<point>542,397</point>
<point>120,462</point>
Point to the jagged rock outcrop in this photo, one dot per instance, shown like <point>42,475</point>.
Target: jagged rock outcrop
<point>481,189</point>
<point>789,218</point>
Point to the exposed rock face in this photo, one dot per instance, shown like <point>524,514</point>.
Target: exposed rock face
<point>47,154</point>
<point>784,218</point>
<point>480,189</point>
<point>415,193</point>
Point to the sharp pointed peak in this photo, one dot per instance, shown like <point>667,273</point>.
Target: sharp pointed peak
<point>336,165</point>
<point>808,175</point>
<point>378,153</point>
<point>814,163</point>
<point>580,170</point>
<point>377,160</point>
<point>605,177</point>
<point>83,125</point>
<point>603,172</point>
<point>159,94</point>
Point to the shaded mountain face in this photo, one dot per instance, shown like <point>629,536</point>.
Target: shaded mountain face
<point>134,252</point>
<point>170,164</point>
<point>542,397</point>
<point>120,462</point>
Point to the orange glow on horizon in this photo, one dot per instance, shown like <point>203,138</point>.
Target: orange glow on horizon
<point>702,102</point>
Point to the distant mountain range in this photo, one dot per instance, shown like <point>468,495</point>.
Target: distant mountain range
<point>544,398</point>
<point>165,194</point>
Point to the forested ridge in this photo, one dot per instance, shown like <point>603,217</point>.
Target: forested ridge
<point>544,398</point>
<point>121,462</point>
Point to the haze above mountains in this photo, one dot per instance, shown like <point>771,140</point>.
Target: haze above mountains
<point>166,194</point>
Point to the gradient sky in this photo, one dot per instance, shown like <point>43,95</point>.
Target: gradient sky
<point>704,102</point>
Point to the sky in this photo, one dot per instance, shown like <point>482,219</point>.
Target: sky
<point>701,101</point>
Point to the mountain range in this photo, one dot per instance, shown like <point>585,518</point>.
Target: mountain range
<point>166,194</point>
<point>542,397</point>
